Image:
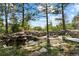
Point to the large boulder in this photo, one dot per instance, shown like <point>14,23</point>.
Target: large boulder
<point>74,33</point>
<point>18,38</point>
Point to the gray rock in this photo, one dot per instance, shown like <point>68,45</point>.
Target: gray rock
<point>33,43</point>
<point>7,46</point>
<point>4,46</point>
<point>43,50</point>
<point>36,53</point>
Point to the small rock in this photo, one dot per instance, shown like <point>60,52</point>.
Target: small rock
<point>4,46</point>
<point>43,44</point>
<point>36,53</point>
<point>33,43</point>
<point>43,50</point>
<point>54,36</point>
<point>31,48</point>
<point>7,46</point>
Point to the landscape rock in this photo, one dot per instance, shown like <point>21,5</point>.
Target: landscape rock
<point>43,50</point>
<point>36,53</point>
<point>31,48</point>
<point>43,44</point>
<point>33,42</point>
<point>56,41</point>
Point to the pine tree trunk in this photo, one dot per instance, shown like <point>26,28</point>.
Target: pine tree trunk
<point>6,22</point>
<point>48,41</point>
<point>23,15</point>
<point>63,19</point>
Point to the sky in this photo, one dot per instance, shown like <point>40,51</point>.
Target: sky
<point>71,11</point>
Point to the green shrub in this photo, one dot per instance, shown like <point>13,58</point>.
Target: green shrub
<point>13,52</point>
<point>15,28</point>
<point>55,51</point>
